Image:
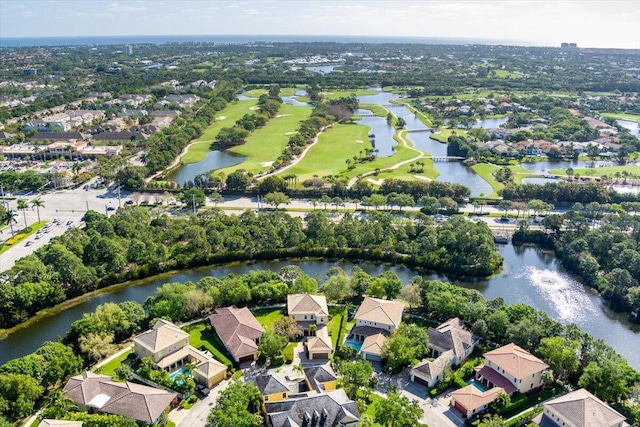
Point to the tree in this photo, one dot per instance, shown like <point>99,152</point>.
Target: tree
<point>412,295</point>
<point>400,123</point>
<point>192,196</point>
<point>238,405</point>
<point>216,198</point>
<point>398,411</point>
<point>287,327</point>
<point>336,288</point>
<point>10,218</point>
<point>238,180</point>
<point>355,375</point>
<point>37,203</point>
<point>607,379</point>
<point>23,206</point>
<point>18,394</point>
<point>561,354</point>
<point>276,199</point>
<point>95,346</point>
<point>271,344</point>
<point>406,344</point>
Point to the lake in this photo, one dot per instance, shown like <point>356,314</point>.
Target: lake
<point>530,276</point>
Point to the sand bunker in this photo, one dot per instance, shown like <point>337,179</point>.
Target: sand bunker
<point>424,178</point>
<point>359,141</point>
<point>266,164</point>
<point>282,115</point>
<point>254,108</point>
<point>221,117</point>
<point>291,133</point>
<point>376,181</point>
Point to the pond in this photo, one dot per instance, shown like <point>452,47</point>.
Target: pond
<point>634,127</point>
<point>213,160</point>
<point>530,276</point>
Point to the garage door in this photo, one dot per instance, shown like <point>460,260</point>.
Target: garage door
<point>321,356</point>
<point>420,381</point>
<point>372,357</point>
<point>247,358</point>
<point>461,408</point>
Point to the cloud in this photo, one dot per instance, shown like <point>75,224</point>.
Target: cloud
<point>252,12</point>
<point>129,7</point>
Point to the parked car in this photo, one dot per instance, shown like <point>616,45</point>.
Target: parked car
<point>29,243</point>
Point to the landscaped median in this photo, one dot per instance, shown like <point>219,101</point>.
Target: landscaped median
<point>21,236</point>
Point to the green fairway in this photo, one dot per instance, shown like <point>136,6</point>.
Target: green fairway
<point>623,116</point>
<point>335,94</point>
<point>225,118</point>
<point>609,171</point>
<point>328,157</point>
<point>265,145</point>
<point>378,110</point>
<point>504,74</point>
<point>420,115</point>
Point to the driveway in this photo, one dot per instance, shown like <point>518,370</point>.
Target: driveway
<point>197,415</point>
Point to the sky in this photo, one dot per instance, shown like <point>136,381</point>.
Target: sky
<point>589,23</point>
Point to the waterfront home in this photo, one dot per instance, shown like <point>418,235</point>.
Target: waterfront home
<point>98,393</point>
<point>168,347</point>
<point>239,331</point>
<point>308,309</point>
<point>507,369</point>
<point>580,409</point>
<point>450,344</point>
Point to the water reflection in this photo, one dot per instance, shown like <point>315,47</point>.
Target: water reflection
<point>213,160</point>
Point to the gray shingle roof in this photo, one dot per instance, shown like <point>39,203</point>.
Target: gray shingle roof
<point>452,335</point>
<point>332,407</point>
<point>319,374</point>
<point>583,409</point>
<point>127,399</point>
<point>270,384</point>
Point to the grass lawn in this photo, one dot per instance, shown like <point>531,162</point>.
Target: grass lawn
<point>335,146</point>
<point>486,170</point>
<point>623,116</point>
<point>444,133</point>
<point>110,368</point>
<point>22,235</point>
<point>337,313</point>
<point>373,398</point>
<point>346,93</point>
<point>266,144</point>
<point>202,335</point>
<point>610,171</point>
<point>201,146</point>
<point>378,110</point>
<point>267,316</point>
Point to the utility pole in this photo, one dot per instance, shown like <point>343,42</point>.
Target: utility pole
<point>4,202</point>
<point>193,200</point>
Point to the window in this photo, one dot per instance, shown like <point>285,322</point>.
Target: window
<point>266,398</point>
<point>305,317</point>
<point>284,395</point>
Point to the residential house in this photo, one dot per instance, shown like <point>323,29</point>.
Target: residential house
<point>183,100</point>
<point>320,378</point>
<point>507,369</point>
<point>580,409</point>
<point>272,387</point>
<point>451,344</point>
<point>330,409</point>
<point>375,320</point>
<point>428,372</point>
<point>470,400</point>
<point>372,347</point>
<point>239,331</point>
<point>308,309</point>
<point>168,347</point>
<point>378,314</point>
<point>319,346</point>
<point>98,393</point>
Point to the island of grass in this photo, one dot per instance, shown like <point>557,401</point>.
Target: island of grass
<point>443,134</point>
<point>198,148</point>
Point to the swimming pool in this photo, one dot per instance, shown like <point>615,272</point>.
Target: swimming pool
<point>356,345</point>
<point>183,371</point>
<point>476,385</point>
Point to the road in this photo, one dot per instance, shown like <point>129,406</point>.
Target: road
<point>71,205</point>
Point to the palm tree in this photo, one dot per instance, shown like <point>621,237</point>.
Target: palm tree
<point>37,203</point>
<point>10,217</point>
<point>23,206</point>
